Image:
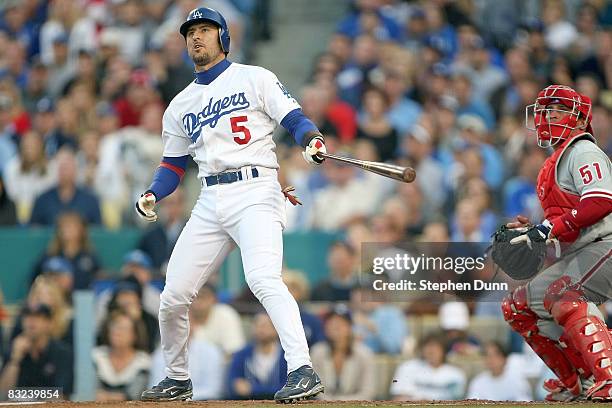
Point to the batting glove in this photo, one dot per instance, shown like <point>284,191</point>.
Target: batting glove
<point>145,207</point>
<point>316,146</point>
<point>538,233</point>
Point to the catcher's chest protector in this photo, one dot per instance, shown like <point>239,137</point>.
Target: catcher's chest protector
<point>555,201</point>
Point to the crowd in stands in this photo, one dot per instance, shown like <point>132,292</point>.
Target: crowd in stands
<point>439,85</point>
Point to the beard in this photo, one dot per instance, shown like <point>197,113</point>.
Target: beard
<point>204,57</point>
<point>201,59</point>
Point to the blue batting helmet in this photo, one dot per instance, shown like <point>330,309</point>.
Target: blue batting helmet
<point>205,14</point>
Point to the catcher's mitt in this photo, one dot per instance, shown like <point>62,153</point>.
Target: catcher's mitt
<point>518,261</point>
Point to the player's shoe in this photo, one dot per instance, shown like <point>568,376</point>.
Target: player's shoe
<point>558,392</point>
<point>601,391</point>
<point>302,383</point>
<point>169,390</point>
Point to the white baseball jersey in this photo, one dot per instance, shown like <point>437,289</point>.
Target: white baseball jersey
<point>229,123</point>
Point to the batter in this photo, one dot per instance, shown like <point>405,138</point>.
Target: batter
<point>225,120</point>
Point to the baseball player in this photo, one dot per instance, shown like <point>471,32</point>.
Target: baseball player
<point>556,312</point>
<point>225,120</point>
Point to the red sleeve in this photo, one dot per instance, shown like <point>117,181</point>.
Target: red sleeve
<point>588,212</point>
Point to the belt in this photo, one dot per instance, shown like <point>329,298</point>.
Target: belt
<point>229,177</point>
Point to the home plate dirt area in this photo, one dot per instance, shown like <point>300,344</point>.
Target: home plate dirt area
<point>308,404</point>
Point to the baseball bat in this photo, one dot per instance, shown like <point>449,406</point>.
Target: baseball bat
<point>400,173</point>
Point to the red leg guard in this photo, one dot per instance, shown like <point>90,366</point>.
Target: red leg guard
<point>523,320</point>
<point>583,332</point>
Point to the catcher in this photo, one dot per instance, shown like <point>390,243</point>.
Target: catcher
<point>556,311</point>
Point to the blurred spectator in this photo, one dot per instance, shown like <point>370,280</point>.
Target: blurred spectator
<point>506,99</point>
<point>36,359</point>
<point>29,174</point>
<point>121,364</point>
<point>137,268</point>
<point>127,297</point>
<point>475,189</point>
<point>66,196</point>
<point>61,272</point>
<point>493,383</point>
<point>416,29</point>
<point>111,179</point>
<point>353,77</point>
<point>159,239</point>
<point>46,124</point>
<point>36,87</point>
<point>167,66</point>
<point>87,159</point>
<point>84,77</point>
<point>139,93</point>
<point>259,369</point>
<point>60,66</point>
<point>402,111</point>
<point>519,194</point>
<point>71,242</point>
<point>469,223</point>
<point>342,264</point>
<point>366,17</point>
<point>381,326</point>
<point>17,25</point>
<point>374,125</point>
<point>468,104</point>
<point>8,210</point>
<point>440,32</point>
<point>8,148</point>
<point>140,148</point>
<point>126,159</point>
<point>300,290</point>
<point>345,365</point>
<point>339,113</point>
<point>560,33</point>
<point>347,197</point>
<point>314,101</point>
<point>130,26</point>
<point>485,76</point>
<point>206,367</point>
<point>46,291</point>
<point>498,21</point>
<point>341,47</point>
<point>216,322</point>
<point>418,147</point>
<point>428,377</point>
<point>473,133</point>
<point>411,196</point>
<point>454,318</point>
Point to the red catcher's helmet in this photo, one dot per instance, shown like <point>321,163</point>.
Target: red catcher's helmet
<point>550,132</point>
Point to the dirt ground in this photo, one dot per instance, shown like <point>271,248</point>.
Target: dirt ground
<point>272,404</point>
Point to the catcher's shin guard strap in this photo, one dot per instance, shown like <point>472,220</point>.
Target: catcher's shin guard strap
<point>583,331</point>
<point>524,321</point>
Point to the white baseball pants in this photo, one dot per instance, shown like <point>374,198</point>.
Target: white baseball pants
<point>251,214</point>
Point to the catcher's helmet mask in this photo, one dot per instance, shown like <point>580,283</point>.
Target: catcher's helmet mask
<point>208,15</point>
<point>575,106</point>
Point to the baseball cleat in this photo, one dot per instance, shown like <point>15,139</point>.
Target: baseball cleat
<point>302,384</point>
<point>169,390</point>
<point>558,392</point>
<point>601,391</point>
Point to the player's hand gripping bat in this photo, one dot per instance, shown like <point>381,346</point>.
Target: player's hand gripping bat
<point>400,173</point>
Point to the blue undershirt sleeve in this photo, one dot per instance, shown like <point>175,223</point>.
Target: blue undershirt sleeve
<point>168,176</point>
<point>297,124</point>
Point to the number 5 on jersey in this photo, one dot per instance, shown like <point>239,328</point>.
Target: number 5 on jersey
<point>237,128</point>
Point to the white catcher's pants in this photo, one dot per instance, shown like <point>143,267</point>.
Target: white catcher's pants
<point>250,213</point>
